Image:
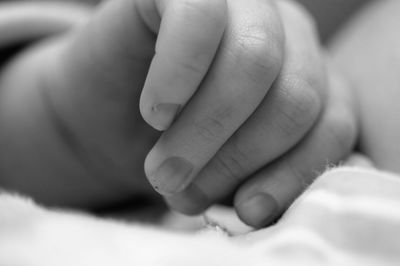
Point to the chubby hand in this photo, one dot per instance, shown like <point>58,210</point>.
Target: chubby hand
<point>248,103</point>
<point>240,88</point>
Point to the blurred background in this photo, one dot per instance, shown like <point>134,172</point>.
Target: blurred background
<point>330,14</point>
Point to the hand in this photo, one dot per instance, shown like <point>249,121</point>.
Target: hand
<point>82,140</point>
<point>249,104</point>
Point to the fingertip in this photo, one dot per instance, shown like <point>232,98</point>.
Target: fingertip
<point>359,160</point>
<point>150,165</point>
<point>160,116</point>
<point>169,175</point>
<point>151,115</point>
<point>257,210</point>
<point>164,114</point>
<point>191,201</point>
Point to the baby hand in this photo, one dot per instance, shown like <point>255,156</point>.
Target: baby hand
<point>240,87</point>
<point>248,104</point>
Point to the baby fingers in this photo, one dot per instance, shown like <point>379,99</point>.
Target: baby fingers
<point>264,197</point>
<point>247,63</point>
<point>283,118</point>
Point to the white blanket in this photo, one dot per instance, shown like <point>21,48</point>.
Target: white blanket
<point>348,217</point>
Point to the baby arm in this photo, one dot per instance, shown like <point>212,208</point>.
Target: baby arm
<point>367,51</point>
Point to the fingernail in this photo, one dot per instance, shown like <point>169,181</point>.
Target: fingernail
<point>164,114</point>
<point>172,176</point>
<point>259,210</point>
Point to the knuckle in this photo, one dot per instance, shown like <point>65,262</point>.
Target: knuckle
<point>190,66</point>
<point>315,79</point>
<point>212,127</point>
<point>299,107</point>
<point>308,74</point>
<point>259,53</point>
<point>308,71</point>
<point>230,164</point>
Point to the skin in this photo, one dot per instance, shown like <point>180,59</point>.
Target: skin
<point>294,131</point>
<point>372,66</point>
<point>73,122</point>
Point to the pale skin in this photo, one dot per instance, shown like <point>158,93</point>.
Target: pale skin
<point>368,52</point>
<point>261,111</point>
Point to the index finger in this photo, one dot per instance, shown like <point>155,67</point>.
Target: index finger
<point>188,38</point>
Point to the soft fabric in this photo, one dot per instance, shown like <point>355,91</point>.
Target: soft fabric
<point>348,217</point>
